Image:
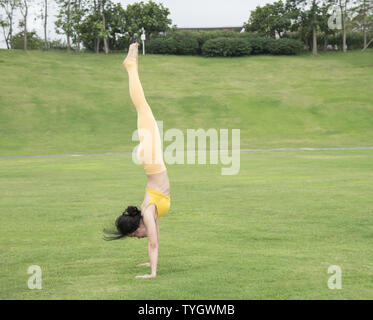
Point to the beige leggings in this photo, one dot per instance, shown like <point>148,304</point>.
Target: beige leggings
<point>150,149</point>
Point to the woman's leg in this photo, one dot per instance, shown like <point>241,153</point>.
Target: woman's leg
<point>150,152</point>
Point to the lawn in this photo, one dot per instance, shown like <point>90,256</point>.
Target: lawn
<point>54,103</point>
<point>270,232</point>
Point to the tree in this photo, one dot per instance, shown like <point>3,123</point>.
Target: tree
<point>116,23</point>
<point>9,7</point>
<point>45,18</point>
<point>117,26</point>
<point>343,4</point>
<point>271,19</point>
<point>363,10</point>
<point>96,25</point>
<point>43,15</point>
<point>23,6</point>
<point>151,16</point>
<point>64,21</point>
<point>324,21</point>
<point>311,17</point>
<point>104,32</point>
<point>77,13</point>
<point>89,32</point>
<point>93,25</point>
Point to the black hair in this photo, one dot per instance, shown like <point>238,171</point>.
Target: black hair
<point>125,224</point>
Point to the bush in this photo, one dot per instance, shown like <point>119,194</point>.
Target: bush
<point>354,40</point>
<point>284,46</point>
<point>170,45</point>
<point>226,47</point>
<point>57,45</point>
<point>258,45</point>
<point>220,43</point>
<point>187,39</point>
<point>161,46</point>
<point>187,46</point>
<point>33,41</point>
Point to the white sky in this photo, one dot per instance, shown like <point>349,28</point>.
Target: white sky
<point>184,13</point>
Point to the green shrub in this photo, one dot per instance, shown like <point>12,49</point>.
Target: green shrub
<point>226,47</point>
<point>200,36</point>
<point>170,45</point>
<point>258,45</point>
<point>33,41</point>
<point>161,46</point>
<point>220,43</point>
<point>57,45</point>
<point>284,46</point>
<point>354,40</point>
<point>187,45</point>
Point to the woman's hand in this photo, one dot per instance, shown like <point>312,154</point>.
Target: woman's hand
<point>146,264</point>
<point>145,276</point>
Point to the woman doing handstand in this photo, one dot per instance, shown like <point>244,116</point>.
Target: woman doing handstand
<point>144,223</point>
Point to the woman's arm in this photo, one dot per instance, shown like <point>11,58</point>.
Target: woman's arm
<point>147,264</point>
<point>152,233</point>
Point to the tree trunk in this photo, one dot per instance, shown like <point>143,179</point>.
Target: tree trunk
<point>326,42</point>
<point>10,35</point>
<point>78,32</point>
<point>77,45</point>
<point>344,41</point>
<point>68,30</point>
<point>98,45</point>
<point>365,23</point>
<point>6,41</point>
<point>25,26</point>
<point>97,10</point>
<point>68,43</point>
<point>25,36</point>
<point>343,11</point>
<point>106,47</point>
<point>314,43</point>
<point>45,25</point>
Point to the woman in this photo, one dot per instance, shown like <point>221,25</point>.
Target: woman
<point>144,223</point>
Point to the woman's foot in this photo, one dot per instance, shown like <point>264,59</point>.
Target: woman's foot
<point>132,56</point>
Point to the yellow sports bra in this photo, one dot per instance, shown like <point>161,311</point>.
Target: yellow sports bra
<point>161,201</point>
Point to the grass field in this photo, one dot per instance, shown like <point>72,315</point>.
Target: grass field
<point>270,232</point>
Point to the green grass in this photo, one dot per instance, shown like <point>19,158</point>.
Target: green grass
<point>57,103</point>
<point>270,232</point>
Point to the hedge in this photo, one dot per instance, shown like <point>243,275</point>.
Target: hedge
<point>258,45</point>
<point>284,46</point>
<point>187,46</point>
<point>161,46</point>
<point>226,47</point>
<point>195,43</point>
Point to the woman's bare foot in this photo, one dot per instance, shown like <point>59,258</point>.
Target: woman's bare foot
<point>132,56</point>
